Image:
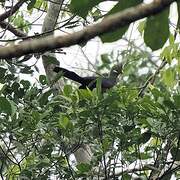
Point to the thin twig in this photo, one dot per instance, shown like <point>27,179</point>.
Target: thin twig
<point>151,79</point>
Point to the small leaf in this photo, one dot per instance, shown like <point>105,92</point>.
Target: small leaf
<point>63,122</point>
<point>141,26</point>
<point>82,7</point>
<point>156,93</point>
<point>126,176</point>
<point>43,79</point>
<point>144,137</point>
<point>171,39</point>
<point>98,88</point>
<point>83,168</point>
<point>169,103</point>
<point>177,100</point>
<point>67,90</point>
<point>175,153</point>
<point>36,115</point>
<point>13,108</point>
<point>106,144</point>
<point>31,4</point>
<point>128,128</point>
<point>26,84</point>
<point>85,94</point>
<point>44,97</point>
<point>2,74</point>
<point>105,59</point>
<point>26,70</point>
<point>5,106</point>
<point>169,77</point>
<point>50,60</point>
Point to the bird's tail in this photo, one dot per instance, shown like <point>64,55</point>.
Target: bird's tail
<point>69,74</point>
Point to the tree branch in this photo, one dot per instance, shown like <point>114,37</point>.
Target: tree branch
<point>12,29</point>
<point>151,78</point>
<point>8,13</point>
<point>110,23</point>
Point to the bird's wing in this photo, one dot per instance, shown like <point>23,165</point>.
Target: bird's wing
<point>90,82</point>
<point>107,83</point>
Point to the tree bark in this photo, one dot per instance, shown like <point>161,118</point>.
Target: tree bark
<point>83,154</point>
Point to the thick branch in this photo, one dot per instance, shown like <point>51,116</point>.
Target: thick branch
<point>12,10</point>
<point>110,23</point>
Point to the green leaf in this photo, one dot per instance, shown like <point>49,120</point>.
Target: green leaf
<point>83,168</point>
<point>44,97</point>
<point>117,34</point>
<point>126,176</point>
<point>26,84</point>
<point>175,153</point>
<point>26,70</point>
<point>106,144</point>
<point>2,74</point>
<point>25,173</point>
<point>128,128</point>
<point>36,116</point>
<point>144,137</point>
<point>5,106</point>
<point>67,90</point>
<point>50,60</point>
<point>105,59</point>
<point>45,162</point>
<point>169,77</point>
<point>156,30</point>
<point>171,39</point>
<point>169,104</point>
<point>145,156</point>
<point>13,108</point>
<point>31,4</point>
<point>156,92</point>
<point>82,7</point>
<point>96,14</point>
<point>98,87</point>
<point>170,52</point>
<point>177,100</point>
<point>19,92</point>
<point>43,79</point>
<point>64,122</point>
<point>141,26</point>
<point>85,94</point>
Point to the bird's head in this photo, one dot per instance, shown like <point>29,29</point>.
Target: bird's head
<point>116,70</point>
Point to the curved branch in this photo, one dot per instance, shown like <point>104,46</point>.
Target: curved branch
<point>110,23</point>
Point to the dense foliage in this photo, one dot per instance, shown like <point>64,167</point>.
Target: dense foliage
<point>133,128</point>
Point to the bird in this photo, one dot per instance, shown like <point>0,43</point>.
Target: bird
<point>91,81</point>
